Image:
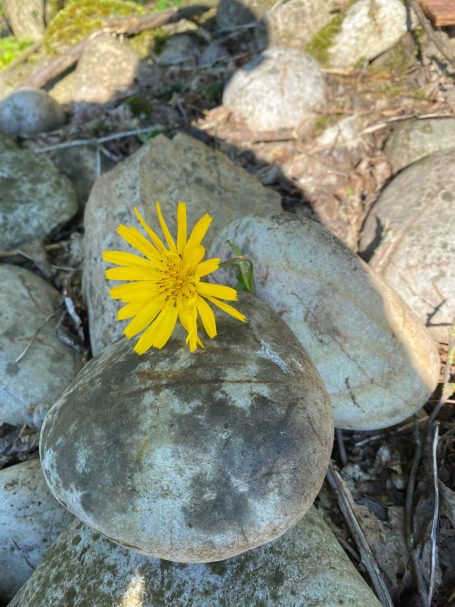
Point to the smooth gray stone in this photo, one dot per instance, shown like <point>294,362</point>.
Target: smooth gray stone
<point>193,456</point>
<point>377,360</point>
<point>415,139</point>
<point>305,567</point>
<point>31,385</point>
<point>28,111</point>
<point>35,198</point>
<point>30,521</point>
<point>168,171</point>
<point>409,232</point>
<point>279,89</point>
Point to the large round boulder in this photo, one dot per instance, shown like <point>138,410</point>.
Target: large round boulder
<point>408,238</point>
<point>306,566</point>
<point>193,457</point>
<point>377,360</point>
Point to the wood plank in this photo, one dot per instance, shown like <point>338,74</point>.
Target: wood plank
<point>441,12</point>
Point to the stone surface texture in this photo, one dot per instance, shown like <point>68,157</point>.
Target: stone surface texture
<point>28,111</point>
<point>168,171</point>
<point>304,567</point>
<point>294,22</point>
<point>279,89</point>
<point>106,69</point>
<point>31,385</point>
<point>409,231</point>
<point>79,165</point>
<point>377,360</point>
<point>35,198</point>
<point>369,28</point>
<point>415,139</point>
<point>193,457</point>
<point>6,143</point>
<point>232,13</point>
<point>30,521</point>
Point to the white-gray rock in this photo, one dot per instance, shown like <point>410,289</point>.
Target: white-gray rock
<point>279,89</point>
<point>28,111</point>
<point>415,139</point>
<point>193,456</point>
<point>409,231</point>
<point>106,69</point>
<point>31,385</point>
<point>168,171</point>
<point>378,362</point>
<point>369,28</point>
<point>305,567</point>
<point>35,198</point>
<point>30,521</point>
<point>294,22</point>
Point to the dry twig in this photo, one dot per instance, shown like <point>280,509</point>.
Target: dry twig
<point>345,503</point>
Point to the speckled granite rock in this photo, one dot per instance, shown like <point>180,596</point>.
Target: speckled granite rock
<point>193,457</point>
<point>304,567</point>
<point>378,362</point>
<point>30,521</point>
<point>31,385</point>
<point>28,111</point>
<point>106,69</point>
<point>279,89</point>
<point>294,22</point>
<point>369,28</point>
<point>415,139</point>
<point>168,171</point>
<point>34,197</point>
<point>409,232</point>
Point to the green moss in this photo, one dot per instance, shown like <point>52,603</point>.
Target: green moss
<point>10,48</point>
<point>78,20</point>
<point>212,91</point>
<point>326,120</point>
<point>141,106</point>
<point>319,45</point>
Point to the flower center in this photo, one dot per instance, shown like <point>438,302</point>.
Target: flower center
<point>174,281</point>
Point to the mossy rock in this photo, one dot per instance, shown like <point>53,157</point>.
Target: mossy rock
<point>78,20</point>
<point>319,45</point>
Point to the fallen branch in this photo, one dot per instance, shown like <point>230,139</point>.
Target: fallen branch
<point>99,140</point>
<point>345,502</point>
<point>126,25</point>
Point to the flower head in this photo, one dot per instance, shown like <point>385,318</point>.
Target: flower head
<point>164,284</point>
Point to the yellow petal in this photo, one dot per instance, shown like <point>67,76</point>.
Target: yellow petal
<point>165,229</point>
<point>207,317</point>
<point>209,290</point>
<point>159,332</point>
<point>208,266</point>
<point>131,309</point>
<point>181,228</point>
<point>130,274</point>
<point>120,258</point>
<point>198,234</point>
<point>151,234</point>
<point>134,290</point>
<point>138,241</point>
<point>227,308</point>
<point>143,318</point>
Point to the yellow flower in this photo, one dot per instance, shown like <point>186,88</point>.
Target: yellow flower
<point>165,284</point>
